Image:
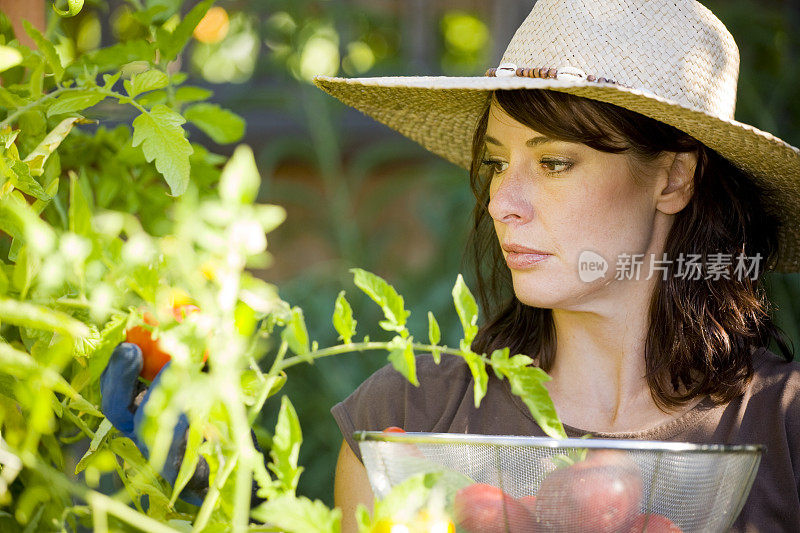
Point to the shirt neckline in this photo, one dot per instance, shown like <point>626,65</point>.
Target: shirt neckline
<point>663,431</point>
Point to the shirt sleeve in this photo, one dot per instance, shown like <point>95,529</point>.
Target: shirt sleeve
<point>387,399</point>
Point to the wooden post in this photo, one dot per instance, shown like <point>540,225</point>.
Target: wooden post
<point>19,10</point>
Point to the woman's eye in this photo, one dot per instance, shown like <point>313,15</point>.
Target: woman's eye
<point>555,165</point>
<point>496,165</point>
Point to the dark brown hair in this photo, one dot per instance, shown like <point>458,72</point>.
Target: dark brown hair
<point>701,331</point>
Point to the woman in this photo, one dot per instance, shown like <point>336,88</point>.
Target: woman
<point>627,219</point>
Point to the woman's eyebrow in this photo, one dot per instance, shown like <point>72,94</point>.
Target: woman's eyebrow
<point>533,141</point>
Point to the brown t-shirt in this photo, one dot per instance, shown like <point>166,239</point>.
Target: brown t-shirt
<point>767,413</point>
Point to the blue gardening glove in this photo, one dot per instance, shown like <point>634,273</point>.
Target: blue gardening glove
<point>123,399</point>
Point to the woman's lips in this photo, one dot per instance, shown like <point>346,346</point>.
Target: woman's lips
<point>524,260</point>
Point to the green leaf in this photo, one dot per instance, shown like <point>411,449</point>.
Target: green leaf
<point>99,437</point>
<point>74,7</point>
<point>20,177</point>
<point>434,336</point>
<point>343,320</point>
<point>148,80</point>
<point>240,181</point>
<point>110,79</point>
<point>173,43</point>
<point>3,281</point>
<point>9,57</point>
<point>80,216</point>
<point>194,438</point>
<point>163,140</point>
<point>385,296</point>
<point>75,101</point>
<point>286,447</point>
<point>412,493</point>
<point>7,98</point>
<point>299,515</point>
<point>527,382</point>
<point>24,273</point>
<point>295,333</point>
<point>467,309</point>
<point>191,93</point>
<point>115,56</point>
<point>47,48</point>
<point>38,156</point>
<point>255,386</point>
<point>112,334</point>
<point>40,317</point>
<point>401,355</point>
<point>223,126</point>
<point>478,370</point>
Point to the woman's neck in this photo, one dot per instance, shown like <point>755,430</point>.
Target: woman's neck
<point>599,370</point>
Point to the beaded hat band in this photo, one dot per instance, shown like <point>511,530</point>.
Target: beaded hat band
<point>510,69</point>
<point>670,60</point>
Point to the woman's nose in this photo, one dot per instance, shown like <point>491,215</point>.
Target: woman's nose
<point>509,200</point>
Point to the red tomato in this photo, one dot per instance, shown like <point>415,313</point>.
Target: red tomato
<point>599,495</point>
<point>482,508</point>
<point>153,356</point>
<point>654,523</point>
<point>529,502</point>
<point>394,429</point>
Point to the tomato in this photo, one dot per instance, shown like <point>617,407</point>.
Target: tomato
<point>529,502</point>
<point>654,523</point>
<point>394,429</point>
<point>153,355</point>
<point>482,508</point>
<point>599,495</point>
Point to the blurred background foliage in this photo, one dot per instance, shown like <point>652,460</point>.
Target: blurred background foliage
<point>358,194</point>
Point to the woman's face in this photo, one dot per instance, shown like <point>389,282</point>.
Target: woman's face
<point>565,199</point>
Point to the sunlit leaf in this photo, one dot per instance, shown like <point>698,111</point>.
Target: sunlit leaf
<point>73,8</point>
<point>221,125</point>
<point>40,317</point>
<point>478,370</point>
<point>19,174</point>
<point>527,382</point>
<point>286,447</point>
<point>299,515</point>
<point>99,437</point>
<point>385,296</point>
<point>240,181</point>
<point>295,333</point>
<point>343,320</point>
<point>467,309</point>
<point>401,355</point>
<point>434,336</point>
<point>75,101</point>
<point>115,56</point>
<point>194,438</point>
<point>148,80</point>
<point>80,216</point>
<point>9,57</point>
<point>163,141</point>
<point>191,93</point>
<point>38,156</point>
<point>47,48</point>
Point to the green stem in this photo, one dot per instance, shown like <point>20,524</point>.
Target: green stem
<point>213,494</point>
<point>360,347</point>
<point>78,422</point>
<point>24,109</point>
<point>96,500</point>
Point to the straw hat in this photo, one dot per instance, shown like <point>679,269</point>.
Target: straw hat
<point>671,60</point>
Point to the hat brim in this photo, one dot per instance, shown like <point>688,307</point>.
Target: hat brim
<point>441,114</point>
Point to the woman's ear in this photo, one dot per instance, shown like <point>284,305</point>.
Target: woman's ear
<point>679,187</point>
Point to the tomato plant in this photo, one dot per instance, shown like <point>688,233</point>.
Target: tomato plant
<point>82,258</point>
